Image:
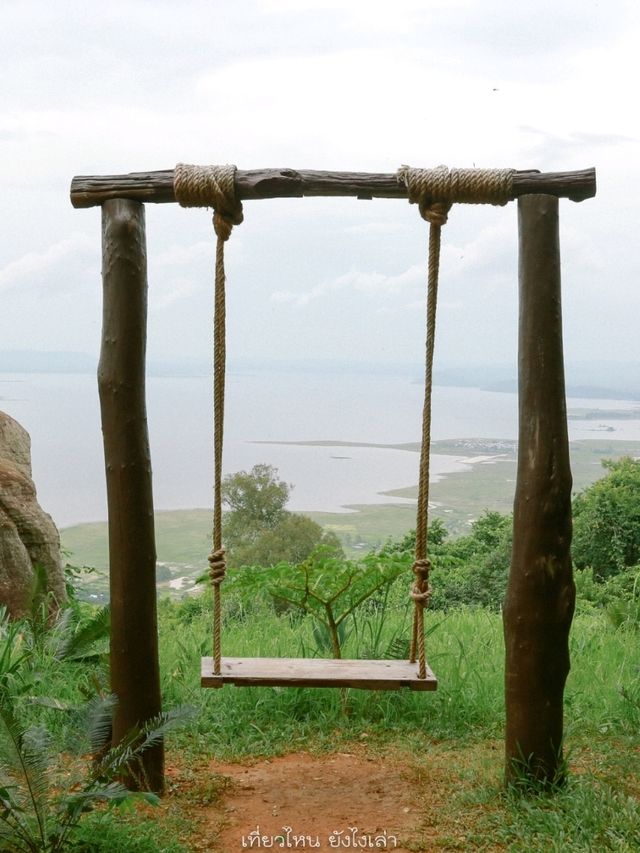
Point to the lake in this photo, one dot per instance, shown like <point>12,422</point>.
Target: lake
<point>61,413</point>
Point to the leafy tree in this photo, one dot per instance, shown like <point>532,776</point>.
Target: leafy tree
<point>291,540</point>
<point>606,520</point>
<point>258,530</point>
<point>256,498</point>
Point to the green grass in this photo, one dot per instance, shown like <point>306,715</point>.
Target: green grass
<point>112,832</point>
<point>451,738</point>
<point>597,810</point>
<point>465,649</point>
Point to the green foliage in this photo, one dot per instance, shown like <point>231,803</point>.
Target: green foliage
<point>101,833</point>
<point>256,500</point>
<point>588,814</point>
<point>406,544</point>
<point>618,596</point>
<point>326,588</point>
<point>606,520</point>
<point>257,529</point>
<point>14,657</point>
<point>473,569</point>
<point>43,792</point>
<point>81,634</point>
<point>42,799</point>
<point>74,577</point>
<point>290,540</point>
<point>470,570</point>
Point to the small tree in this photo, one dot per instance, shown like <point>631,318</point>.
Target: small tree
<point>256,498</point>
<point>258,530</point>
<point>327,589</point>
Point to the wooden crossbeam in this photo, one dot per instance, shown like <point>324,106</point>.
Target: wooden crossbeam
<point>157,187</point>
<point>316,672</point>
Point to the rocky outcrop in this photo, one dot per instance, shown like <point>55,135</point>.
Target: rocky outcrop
<point>28,536</point>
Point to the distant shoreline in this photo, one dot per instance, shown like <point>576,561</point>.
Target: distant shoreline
<point>474,451</point>
<point>587,381</point>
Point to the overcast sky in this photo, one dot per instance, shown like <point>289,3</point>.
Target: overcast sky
<point>103,88</point>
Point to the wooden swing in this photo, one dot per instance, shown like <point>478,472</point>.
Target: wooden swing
<point>538,609</point>
<point>434,190</point>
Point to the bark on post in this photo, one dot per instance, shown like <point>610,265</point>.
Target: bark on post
<point>541,594</point>
<point>135,676</point>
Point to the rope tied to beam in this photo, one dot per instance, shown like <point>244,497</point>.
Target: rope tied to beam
<point>214,186</point>
<point>435,191</point>
<point>210,186</point>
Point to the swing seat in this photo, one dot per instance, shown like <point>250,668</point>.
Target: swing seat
<point>316,672</point>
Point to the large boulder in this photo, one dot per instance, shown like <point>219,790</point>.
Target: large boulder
<point>28,536</point>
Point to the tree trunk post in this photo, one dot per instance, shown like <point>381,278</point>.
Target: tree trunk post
<point>540,593</point>
<point>135,673</point>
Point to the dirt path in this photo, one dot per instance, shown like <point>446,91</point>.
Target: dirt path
<point>339,801</point>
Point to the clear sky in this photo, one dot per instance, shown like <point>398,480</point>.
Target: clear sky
<point>103,88</point>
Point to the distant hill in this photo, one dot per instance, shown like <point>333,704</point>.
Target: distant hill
<point>591,380</point>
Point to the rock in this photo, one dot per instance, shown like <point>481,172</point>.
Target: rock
<point>28,536</point>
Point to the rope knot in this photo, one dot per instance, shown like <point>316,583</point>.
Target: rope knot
<point>421,569</point>
<point>421,591</point>
<point>421,596</point>
<point>217,566</point>
<point>434,212</point>
<point>210,186</point>
<point>435,190</point>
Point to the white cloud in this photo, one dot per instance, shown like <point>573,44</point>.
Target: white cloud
<point>30,269</point>
<point>317,84</point>
<point>372,283</point>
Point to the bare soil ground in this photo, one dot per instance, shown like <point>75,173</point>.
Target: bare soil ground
<point>344,800</point>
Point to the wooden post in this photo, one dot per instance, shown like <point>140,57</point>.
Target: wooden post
<point>135,674</point>
<point>541,594</point>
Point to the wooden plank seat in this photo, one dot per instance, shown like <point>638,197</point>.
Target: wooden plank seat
<point>316,672</point>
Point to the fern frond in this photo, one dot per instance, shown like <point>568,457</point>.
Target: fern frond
<point>139,739</point>
<point>76,643</point>
<point>96,721</point>
<point>24,760</point>
<point>398,649</point>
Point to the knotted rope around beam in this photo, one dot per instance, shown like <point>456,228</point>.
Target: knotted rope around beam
<point>434,191</point>
<point>214,186</point>
<point>443,187</point>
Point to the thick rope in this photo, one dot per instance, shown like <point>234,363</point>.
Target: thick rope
<point>434,191</point>
<point>421,567</point>
<point>210,186</point>
<point>471,186</point>
<point>214,186</point>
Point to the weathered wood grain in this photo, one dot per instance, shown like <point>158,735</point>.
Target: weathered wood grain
<point>157,187</point>
<point>314,672</point>
<point>135,673</point>
<point>540,593</point>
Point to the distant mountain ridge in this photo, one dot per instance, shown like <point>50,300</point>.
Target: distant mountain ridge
<point>590,380</point>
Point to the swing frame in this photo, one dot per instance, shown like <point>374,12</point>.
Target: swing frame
<point>124,263</point>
